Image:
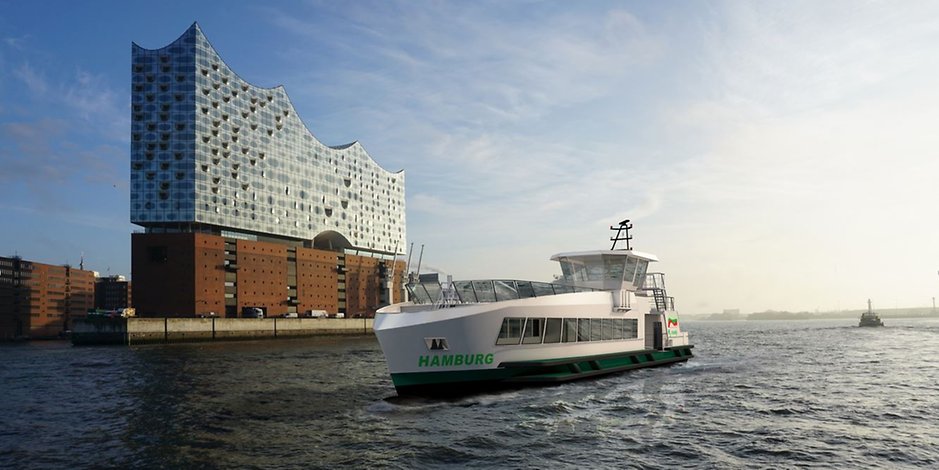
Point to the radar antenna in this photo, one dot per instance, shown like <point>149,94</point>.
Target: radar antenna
<point>624,226</point>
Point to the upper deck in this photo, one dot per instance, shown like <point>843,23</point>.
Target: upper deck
<point>484,291</point>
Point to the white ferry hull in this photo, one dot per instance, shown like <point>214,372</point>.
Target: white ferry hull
<point>468,358</point>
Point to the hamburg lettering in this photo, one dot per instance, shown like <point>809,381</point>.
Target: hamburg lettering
<point>446,360</point>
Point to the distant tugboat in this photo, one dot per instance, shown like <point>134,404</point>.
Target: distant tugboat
<point>869,318</point>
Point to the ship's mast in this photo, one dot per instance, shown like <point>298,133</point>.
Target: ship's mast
<point>620,236</point>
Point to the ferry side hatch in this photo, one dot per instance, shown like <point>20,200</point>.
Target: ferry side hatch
<point>657,336</point>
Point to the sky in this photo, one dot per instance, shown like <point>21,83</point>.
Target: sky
<point>773,155</point>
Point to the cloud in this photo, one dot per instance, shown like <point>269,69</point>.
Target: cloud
<point>32,78</point>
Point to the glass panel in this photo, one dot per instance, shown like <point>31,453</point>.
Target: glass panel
<point>641,273</point>
<point>614,267</point>
<point>484,291</point>
<point>511,331</point>
<point>552,330</point>
<point>583,329</point>
<point>573,270</point>
<point>618,328</point>
<point>465,290</point>
<point>567,271</point>
<point>419,294</point>
<point>570,330</point>
<point>607,333</point>
<point>595,270</point>
<point>505,290</point>
<point>630,271</point>
<point>595,327</point>
<point>534,328</point>
<point>542,289</point>
<point>630,332</point>
<point>524,289</point>
<point>563,289</point>
<point>433,290</point>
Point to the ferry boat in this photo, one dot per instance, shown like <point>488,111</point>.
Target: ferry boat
<point>605,314</point>
<point>869,318</point>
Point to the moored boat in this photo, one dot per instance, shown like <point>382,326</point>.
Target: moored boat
<point>605,314</point>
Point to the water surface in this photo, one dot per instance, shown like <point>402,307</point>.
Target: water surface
<point>757,394</point>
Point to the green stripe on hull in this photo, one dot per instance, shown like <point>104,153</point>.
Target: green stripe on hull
<point>535,372</point>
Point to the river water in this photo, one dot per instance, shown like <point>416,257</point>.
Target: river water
<point>766,394</point>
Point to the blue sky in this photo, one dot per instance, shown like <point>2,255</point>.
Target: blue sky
<point>774,155</point>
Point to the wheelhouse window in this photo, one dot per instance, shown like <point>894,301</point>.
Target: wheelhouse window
<point>630,272</point>
<point>613,265</point>
<point>641,273</point>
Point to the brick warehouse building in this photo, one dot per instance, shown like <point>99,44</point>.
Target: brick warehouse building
<point>38,300</point>
<point>113,292</point>
<point>242,206</point>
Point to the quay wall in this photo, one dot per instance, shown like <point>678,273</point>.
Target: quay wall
<point>177,330</point>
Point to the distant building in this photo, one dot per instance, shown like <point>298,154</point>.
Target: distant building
<point>242,206</point>
<point>38,300</point>
<point>112,293</point>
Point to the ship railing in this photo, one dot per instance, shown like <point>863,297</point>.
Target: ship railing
<point>485,291</point>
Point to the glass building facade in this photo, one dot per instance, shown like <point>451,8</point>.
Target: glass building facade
<point>211,152</point>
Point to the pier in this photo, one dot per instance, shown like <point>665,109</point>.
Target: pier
<point>133,331</point>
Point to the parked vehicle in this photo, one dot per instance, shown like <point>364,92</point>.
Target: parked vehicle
<point>315,314</point>
<point>252,312</point>
<point>290,315</point>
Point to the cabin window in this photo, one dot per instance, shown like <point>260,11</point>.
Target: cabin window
<point>618,328</point>
<point>596,325</point>
<point>569,333</point>
<point>583,329</point>
<point>552,330</point>
<point>562,330</point>
<point>511,331</point>
<point>607,330</point>
<point>631,329</point>
<point>534,328</point>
